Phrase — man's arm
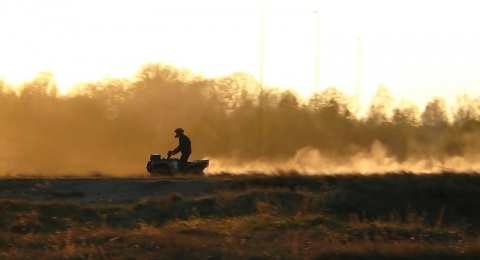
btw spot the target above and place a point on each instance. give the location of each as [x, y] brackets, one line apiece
[179, 147]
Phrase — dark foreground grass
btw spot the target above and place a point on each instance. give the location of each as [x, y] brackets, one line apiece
[284, 216]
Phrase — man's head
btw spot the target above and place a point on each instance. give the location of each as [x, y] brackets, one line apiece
[178, 132]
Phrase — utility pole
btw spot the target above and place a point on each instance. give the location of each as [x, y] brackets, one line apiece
[262, 44]
[260, 79]
[359, 73]
[317, 52]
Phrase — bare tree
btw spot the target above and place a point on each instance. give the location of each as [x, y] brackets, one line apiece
[435, 114]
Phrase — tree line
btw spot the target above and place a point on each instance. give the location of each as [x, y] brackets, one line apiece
[113, 125]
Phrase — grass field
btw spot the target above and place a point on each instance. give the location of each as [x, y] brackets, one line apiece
[247, 216]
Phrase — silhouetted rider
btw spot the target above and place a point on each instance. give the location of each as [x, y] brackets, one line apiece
[184, 146]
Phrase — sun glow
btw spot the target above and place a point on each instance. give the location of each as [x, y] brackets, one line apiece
[417, 49]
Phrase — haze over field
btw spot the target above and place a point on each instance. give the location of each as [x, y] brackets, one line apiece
[96, 86]
[112, 126]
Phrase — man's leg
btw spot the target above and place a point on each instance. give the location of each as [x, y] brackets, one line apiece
[183, 161]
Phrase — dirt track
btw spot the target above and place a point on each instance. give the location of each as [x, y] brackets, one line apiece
[102, 190]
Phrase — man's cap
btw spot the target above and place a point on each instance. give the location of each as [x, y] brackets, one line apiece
[178, 130]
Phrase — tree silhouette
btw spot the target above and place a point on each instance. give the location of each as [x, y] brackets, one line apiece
[381, 104]
[435, 114]
[111, 125]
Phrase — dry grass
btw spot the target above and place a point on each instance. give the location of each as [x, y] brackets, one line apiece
[288, 216]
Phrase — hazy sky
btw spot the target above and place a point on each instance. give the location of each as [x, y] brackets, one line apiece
[417, 49]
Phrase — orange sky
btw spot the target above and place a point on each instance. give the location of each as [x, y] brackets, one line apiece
[417, 49]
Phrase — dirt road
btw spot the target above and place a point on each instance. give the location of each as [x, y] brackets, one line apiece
[103, 189]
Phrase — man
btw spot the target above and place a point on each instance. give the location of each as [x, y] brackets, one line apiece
[184, 146]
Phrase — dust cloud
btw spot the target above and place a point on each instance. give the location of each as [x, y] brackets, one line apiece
[310, 161]
[110, 127]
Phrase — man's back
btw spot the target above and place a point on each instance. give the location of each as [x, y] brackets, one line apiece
[184, 145]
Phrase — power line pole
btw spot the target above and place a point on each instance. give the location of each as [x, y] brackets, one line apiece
[317, 52]
[260, 78]
[359, 73]
[262, 43]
